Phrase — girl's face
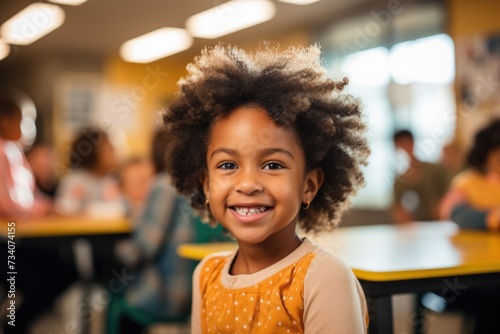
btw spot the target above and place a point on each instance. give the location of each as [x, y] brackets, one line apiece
[256, 180]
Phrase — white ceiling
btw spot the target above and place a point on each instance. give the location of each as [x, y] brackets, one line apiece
[99, 27]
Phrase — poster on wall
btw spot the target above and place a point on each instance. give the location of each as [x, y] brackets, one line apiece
[478, 81]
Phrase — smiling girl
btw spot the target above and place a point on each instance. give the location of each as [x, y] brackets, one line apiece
[264, 143]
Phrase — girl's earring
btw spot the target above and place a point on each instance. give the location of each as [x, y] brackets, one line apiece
[207, 204]
[307, 205]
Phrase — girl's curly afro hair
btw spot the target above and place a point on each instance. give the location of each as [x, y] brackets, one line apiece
[293, 88]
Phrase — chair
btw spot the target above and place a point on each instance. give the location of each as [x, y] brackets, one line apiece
[118, 308]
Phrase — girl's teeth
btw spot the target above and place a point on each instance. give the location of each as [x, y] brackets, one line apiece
[250, 211]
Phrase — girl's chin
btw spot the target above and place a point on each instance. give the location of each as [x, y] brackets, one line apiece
[248, 237]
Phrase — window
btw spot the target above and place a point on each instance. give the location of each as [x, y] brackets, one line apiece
[403, 85]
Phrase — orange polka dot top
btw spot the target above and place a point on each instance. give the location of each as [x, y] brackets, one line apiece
[309, 291]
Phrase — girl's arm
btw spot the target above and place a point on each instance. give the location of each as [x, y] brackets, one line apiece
[333, 299]
[196, 304]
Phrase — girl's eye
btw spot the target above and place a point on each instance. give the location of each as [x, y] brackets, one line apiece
[226, 165]
[273, 165]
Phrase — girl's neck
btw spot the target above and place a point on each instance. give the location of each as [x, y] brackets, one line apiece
[253, 258]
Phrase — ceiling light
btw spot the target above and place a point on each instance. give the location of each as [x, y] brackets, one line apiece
[32, 23]
[155, 45]
[229, 17]
[68, 2]
[300, 2]
[4, 49]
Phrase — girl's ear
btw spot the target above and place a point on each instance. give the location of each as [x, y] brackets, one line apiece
[203, 178]
[313, 181]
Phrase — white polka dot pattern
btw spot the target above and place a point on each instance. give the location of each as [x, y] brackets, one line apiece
[275, 305]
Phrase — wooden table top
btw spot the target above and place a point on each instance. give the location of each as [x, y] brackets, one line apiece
[57, 226]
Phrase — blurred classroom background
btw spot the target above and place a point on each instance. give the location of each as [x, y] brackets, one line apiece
[430, 66]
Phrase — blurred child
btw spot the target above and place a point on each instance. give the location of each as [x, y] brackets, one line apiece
[41, 158]
[88, 188]
[161, 289]
[20, 199]
[474, 198]
[135, 177]
[18, 194]
[473, 202]
[263, 143]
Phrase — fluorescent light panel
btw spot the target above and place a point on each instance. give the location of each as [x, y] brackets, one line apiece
[155, 45]
[229, 17]
[300, 2]
[68, 2]
[4, 49]
[32, 23]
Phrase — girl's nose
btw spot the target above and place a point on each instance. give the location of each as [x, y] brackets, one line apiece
[248, 183]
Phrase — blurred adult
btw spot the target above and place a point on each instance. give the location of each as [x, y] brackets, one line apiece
[473, 200]
[89, 187]
[418, 191]
[19, 196]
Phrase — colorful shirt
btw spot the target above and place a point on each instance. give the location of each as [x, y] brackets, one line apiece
[309, 291]
[18, 195]
[480, 193]
[162, 286]
[421, 193]
[81, 192]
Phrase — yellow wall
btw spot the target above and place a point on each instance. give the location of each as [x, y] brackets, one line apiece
[468, 17]
[148, 87]
[128, 77]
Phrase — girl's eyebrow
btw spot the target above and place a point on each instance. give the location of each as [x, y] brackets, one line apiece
[269, 151]
[265, 152]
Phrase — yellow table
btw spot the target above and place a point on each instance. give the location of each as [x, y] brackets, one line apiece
[60, 226]
[412, 258]
[61, 234]
[199, 251]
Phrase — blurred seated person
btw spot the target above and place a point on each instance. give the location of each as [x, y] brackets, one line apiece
[89, 188]
[452, 159]
[42, 274]
[418, 191]
[41, 158]
[135, 176]
[18, 194]
[473, 200]
[161, 289]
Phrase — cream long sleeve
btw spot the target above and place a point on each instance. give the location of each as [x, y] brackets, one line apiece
[328, 297]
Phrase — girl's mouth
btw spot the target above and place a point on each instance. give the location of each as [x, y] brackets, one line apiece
[249, 211]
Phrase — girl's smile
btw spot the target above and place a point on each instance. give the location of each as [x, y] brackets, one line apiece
[251, 212]
[256, 180]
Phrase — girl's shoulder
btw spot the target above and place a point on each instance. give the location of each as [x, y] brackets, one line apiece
[327, 266]
[212, 264]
